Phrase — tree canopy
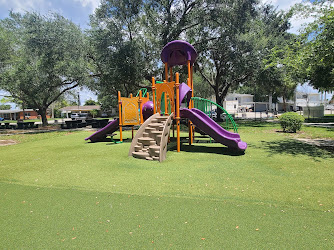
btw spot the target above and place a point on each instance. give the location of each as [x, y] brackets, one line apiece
[314, 58]
[46, 59]
[240, 44]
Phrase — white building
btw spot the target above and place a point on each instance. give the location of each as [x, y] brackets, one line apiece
[235, 103]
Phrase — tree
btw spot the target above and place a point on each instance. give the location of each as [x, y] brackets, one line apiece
[170, 20]
[47, 59]
[90, 102]
[115, 38]
[5, 107]
[225, 45]
[126, 38]
[94, 112]
[320, 57]
[234, 43]
[316, 44]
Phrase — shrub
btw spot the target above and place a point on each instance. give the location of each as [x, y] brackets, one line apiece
[291, 122]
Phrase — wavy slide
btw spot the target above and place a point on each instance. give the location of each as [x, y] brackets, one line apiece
[211, 128]
[101, 134]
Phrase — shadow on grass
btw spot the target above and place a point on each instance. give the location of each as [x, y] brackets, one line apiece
[253, 123]
[296, 148]
[195, 148]
[112, 141]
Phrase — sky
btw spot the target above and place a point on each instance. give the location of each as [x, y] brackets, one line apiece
[78, 11]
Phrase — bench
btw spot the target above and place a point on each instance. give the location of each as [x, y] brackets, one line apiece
[26, 125]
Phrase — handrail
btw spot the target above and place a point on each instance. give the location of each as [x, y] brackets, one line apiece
[200, 103]
[143, 92]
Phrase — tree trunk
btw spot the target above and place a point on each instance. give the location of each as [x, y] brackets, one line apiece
[219, 101]
[42, 112]
[284, 103]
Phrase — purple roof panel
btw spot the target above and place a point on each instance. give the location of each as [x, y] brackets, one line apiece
[178, 53]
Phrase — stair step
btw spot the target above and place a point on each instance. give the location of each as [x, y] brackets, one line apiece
[145, 140]
[140, 155]
[161, 117]
[138, 148]
[149, 158]
[153, 125]
[154, 150]
[156, 158]
[149, 129]
[155, 147]
[145, 134]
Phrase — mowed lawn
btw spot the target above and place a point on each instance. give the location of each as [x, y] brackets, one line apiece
[58, 191]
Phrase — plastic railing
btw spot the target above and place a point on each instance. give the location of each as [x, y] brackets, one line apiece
[206, 106]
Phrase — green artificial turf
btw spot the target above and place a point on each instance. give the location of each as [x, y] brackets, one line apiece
[58, 191]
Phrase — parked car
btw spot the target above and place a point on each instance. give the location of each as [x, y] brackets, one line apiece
[80, 116]
[2, 119]
[213, 114]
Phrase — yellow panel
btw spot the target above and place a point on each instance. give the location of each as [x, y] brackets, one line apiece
[130, 111]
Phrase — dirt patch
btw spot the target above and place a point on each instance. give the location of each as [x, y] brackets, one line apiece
[7, 142]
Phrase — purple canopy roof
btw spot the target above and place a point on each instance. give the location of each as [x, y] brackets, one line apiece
[178, 53]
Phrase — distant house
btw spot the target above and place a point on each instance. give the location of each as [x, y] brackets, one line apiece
[17, 114]
[235, 102]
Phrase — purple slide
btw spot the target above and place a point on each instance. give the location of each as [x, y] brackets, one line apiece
[211, 128]
[101, 134]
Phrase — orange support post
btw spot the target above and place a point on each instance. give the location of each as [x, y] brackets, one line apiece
[153, 95]
[177, 116]
[140, 107]
[166, 103]
[120, 116]
[190, 125]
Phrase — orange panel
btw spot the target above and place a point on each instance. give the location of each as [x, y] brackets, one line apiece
[168, 88]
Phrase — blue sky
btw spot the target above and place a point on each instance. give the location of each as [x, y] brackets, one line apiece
[79, 10]
[76, 10]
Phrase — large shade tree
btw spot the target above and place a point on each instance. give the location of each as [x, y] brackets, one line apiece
[226, 45]
[126, 39]
[46, 59]
[317, 57]
[116, 50]
[234, 43]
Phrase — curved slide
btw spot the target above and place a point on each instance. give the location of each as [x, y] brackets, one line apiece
[101, 134]
[211, 128]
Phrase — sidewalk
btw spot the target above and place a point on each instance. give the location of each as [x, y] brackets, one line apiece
[323, 125]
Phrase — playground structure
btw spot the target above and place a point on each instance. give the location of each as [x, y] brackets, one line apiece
[131, 110]
[172, 100]
[151, 139]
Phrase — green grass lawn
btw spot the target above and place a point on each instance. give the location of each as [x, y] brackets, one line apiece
[58, 191]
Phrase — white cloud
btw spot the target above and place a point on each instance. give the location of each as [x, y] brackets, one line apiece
[296, 22]
[282, 4]
[93, 4]
[23, 6]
